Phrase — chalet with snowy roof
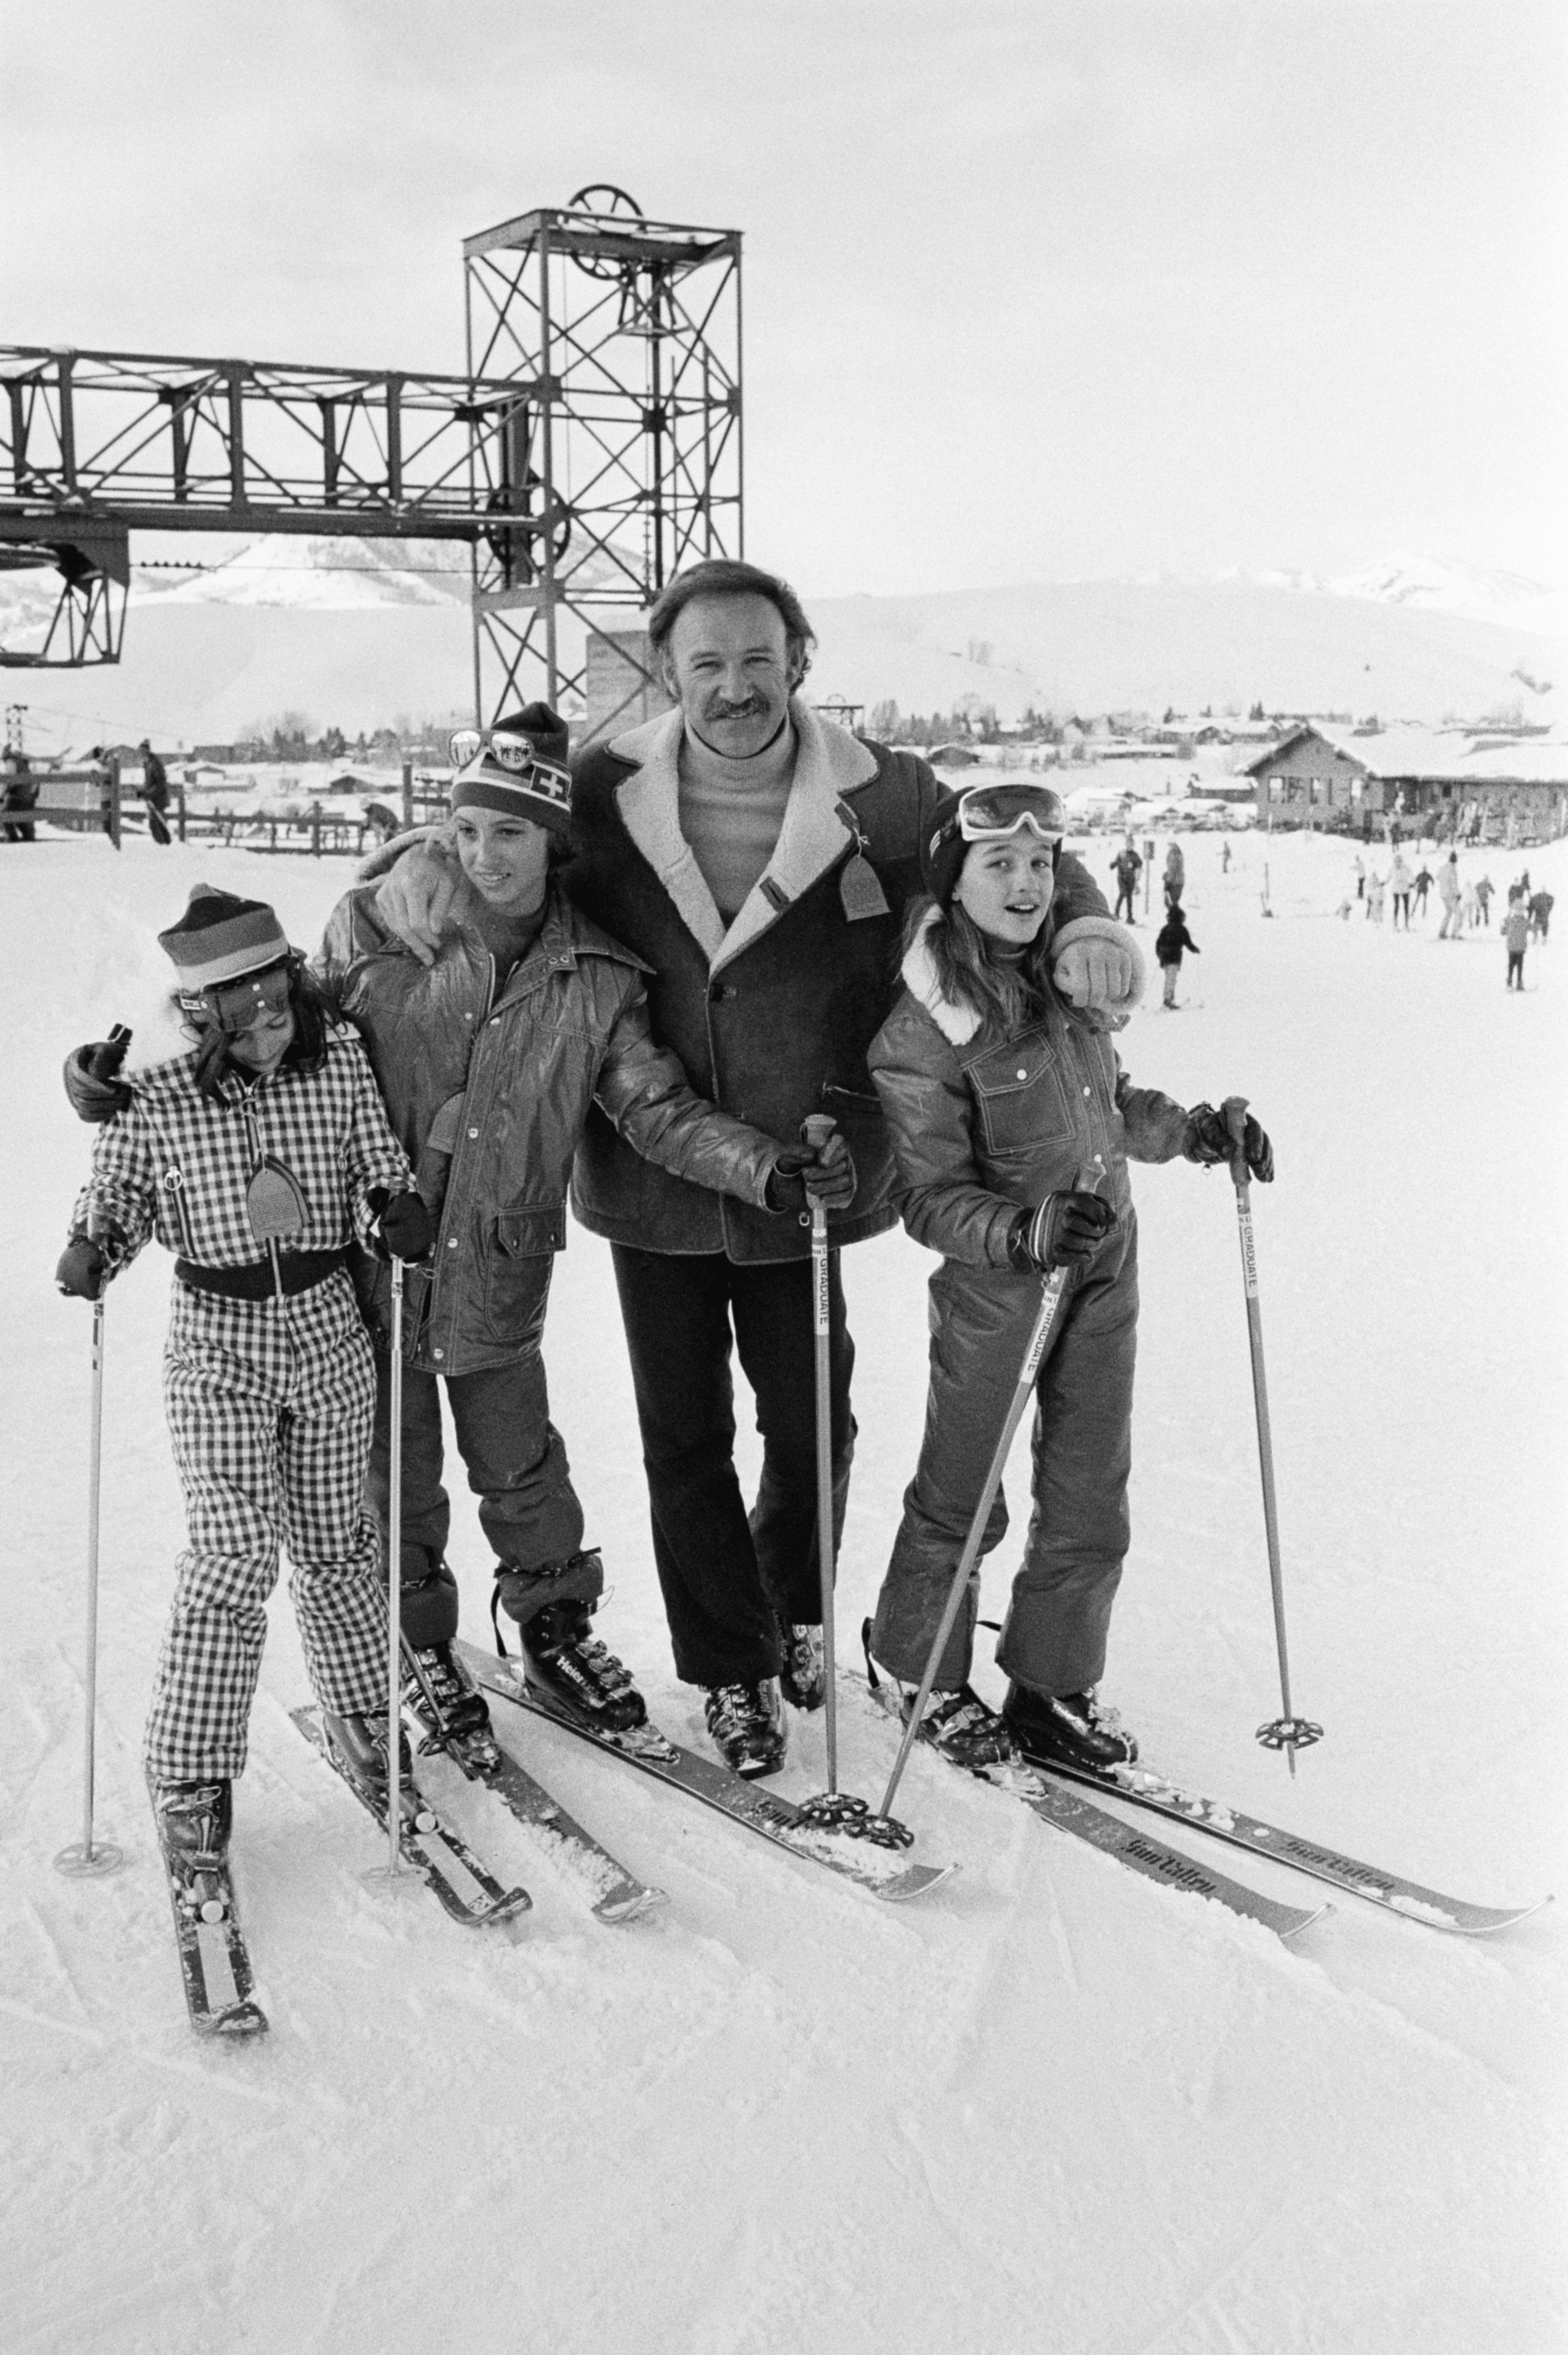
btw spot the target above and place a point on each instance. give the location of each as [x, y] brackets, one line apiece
[1490, 786]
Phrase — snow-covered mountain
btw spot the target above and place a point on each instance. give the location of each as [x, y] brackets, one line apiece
[355, 632]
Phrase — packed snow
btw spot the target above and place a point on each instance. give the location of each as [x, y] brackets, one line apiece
[1050, 2106]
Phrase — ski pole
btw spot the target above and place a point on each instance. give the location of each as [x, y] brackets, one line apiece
[832, 1808]
[1051, 1296]
[395, 1577]
[1287, 1732]
[85, 1857]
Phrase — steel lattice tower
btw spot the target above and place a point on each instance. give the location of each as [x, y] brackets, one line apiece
[621, 461]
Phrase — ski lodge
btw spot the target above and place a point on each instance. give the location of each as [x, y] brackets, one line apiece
[1483, 785]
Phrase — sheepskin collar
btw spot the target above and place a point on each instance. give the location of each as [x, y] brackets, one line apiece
[957, 1024]
[829, 762]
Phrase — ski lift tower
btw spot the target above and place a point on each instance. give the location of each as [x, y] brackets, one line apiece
[621, 462]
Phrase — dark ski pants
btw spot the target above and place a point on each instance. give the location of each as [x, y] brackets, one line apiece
[516, 1466]
[1124, 900]
[1055, 1633]
[729, 1578]
[1515, 970]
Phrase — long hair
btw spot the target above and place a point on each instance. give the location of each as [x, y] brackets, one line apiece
[1006, 993]
[306, 1051]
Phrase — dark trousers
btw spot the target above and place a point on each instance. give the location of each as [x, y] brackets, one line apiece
[729, 1578]
[1124, 900]
[515, 1463]
[1515, 969]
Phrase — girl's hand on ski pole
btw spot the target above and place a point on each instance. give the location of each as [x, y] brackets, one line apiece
[83, 1270]
[404, 1229]
[1064, 1230]
[828, 1173]
[1210, 1142]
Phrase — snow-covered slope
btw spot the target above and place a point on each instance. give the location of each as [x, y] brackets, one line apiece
[1054, 2109]
[352, 633]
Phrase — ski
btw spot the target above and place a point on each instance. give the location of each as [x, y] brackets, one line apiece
[1098, 1827]
[454, 1876]
[215, 1961]
[1391, 1890]
[771, 1818]
[1066, 1812]
[618, 1895]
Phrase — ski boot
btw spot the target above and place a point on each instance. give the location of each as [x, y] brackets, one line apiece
[1067, 1729]
[961, 1727]
[803, 1680]
[195, 1820]
[447, 1702]
[564, 1660]
[358, 1744]
[746, 1726]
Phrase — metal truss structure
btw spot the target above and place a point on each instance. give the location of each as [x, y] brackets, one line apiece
[625, 456]
[593, 448]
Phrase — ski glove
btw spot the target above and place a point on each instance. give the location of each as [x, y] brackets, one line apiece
[798, 1173]
[404, 1229]
[95, 1092]
[87, 1263]
[1064, 1230]
[1208, 1141]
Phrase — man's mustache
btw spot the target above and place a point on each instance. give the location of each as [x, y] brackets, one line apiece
[719, 706]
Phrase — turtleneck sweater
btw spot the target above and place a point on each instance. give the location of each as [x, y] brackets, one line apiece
[730, 813]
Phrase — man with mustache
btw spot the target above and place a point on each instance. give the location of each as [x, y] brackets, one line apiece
[759, 860]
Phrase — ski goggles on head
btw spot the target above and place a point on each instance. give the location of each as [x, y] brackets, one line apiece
[992, 812]
[519, 756]
[236, 1007]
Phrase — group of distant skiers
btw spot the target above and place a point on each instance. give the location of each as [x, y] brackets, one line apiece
[1465, 904]
[1173, 941]
[634, 975]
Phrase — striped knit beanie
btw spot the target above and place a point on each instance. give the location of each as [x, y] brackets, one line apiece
[543, 795]
[220, 937]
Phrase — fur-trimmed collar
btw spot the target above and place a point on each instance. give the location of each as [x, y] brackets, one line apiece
[957, 1024]
[829, 761]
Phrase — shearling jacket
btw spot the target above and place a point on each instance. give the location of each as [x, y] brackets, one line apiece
[772, 1016]
[489, 1081]
[982, 1127]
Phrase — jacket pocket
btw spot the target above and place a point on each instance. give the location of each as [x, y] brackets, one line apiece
[1022, 1096]
[517, 1268]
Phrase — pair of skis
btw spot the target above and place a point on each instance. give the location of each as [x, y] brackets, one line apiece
[1056, 1796]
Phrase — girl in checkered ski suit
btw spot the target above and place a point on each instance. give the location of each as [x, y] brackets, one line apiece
[256, 1157]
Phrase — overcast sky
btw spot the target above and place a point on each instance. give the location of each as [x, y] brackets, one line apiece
[1033, 291]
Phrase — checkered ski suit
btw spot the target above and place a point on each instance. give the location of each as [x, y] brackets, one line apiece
[269, 1401]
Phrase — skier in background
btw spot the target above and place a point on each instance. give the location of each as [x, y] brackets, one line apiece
[1400, 882]
[1172, 939]
[1375, 896]
[155, 793]
[1174, 874]
[1423, 885]
[1516, 938]
[999, 1096]
[256, 1157]
[1541, 904]
[1126, 867]
[1484, 890]
[1448, 892]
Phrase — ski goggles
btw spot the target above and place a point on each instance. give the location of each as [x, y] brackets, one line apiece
[236, 1007]
[517, 756]
[992, 812]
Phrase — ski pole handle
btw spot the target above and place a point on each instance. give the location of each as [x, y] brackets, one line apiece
[1234, 1109]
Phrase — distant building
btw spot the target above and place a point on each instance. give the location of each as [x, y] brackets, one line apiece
[1460, 781]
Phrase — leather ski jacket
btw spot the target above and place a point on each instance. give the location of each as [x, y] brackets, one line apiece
[489, 1081]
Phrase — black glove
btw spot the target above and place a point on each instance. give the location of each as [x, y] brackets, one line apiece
[90, 1082]
[1209, 1141]
[1064, 1230]
[799, 1173]
[85, 1269]
[404, 1228]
